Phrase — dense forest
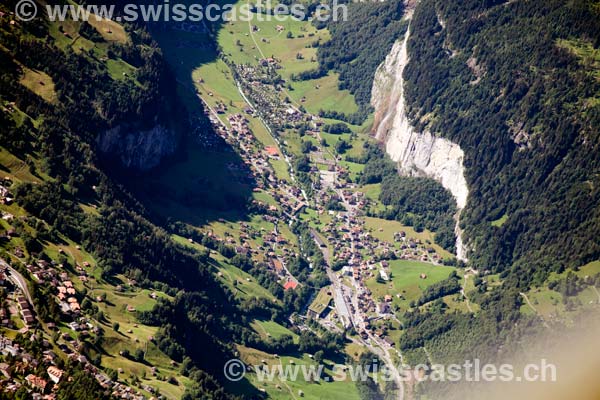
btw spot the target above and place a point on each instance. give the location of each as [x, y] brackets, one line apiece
[524, 107]
[531, 101]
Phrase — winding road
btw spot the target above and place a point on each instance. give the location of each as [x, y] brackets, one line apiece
[17, 279]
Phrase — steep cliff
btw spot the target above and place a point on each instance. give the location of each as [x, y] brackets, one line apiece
[417, 153]
[138, 148]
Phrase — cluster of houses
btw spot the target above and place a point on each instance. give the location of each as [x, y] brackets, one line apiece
[363, 255]
[290, 199]
[16, 305]
[24, 365]
[264, 87]
[275, 249]
[23, 368]
[51, 273]
[26, 311]
[5, 195]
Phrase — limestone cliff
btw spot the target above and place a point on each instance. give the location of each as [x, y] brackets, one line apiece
[417, 153]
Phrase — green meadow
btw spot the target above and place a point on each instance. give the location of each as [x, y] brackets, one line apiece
[406, 281]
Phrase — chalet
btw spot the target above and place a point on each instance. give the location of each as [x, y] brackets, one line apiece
[49, 356]
[272, 151]
[54, 373]
[36, 382]
[298, 207]
[290, 284]
[278, 266]
[28, 317]
[241, 251]
[103, 380]
[5, 370]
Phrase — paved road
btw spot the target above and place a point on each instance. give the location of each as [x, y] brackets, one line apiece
[17, 279]
[375, 344]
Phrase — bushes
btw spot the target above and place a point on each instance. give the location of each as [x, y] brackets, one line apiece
[336, 128]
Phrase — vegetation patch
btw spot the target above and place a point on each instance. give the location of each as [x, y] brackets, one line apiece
[40, 83]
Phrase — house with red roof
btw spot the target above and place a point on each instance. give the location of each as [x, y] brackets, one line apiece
[290, 284]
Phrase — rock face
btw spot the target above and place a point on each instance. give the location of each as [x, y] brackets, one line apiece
[138, 149]
[417, 153]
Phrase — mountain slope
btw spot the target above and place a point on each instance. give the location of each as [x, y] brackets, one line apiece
[505, 82]
[68, 219]
[515, 86]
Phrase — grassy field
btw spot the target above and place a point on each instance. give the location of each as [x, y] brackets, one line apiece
[241, 284]
[119, 69]
[132, 335]
[66, 35]
[264, 197]
[406, 281]
[259, 224]
[590, 269]
[247, 42]
[110, 30]
[584, 50]
[500, 221]
[314, 219]
[372, 191]
[271, 329]
[16, 168]
[385, 229]
[40, 83]
[549, 303]
[354, 350]
[323, 94]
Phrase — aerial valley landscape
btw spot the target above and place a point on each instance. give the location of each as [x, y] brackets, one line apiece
[207, 209]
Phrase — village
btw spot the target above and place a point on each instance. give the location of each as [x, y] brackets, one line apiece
[353, 252]
[349, 246]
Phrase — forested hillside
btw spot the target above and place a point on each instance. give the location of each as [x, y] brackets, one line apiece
[56, 99]
[186, 241]
[416, 201]
[516, 85]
